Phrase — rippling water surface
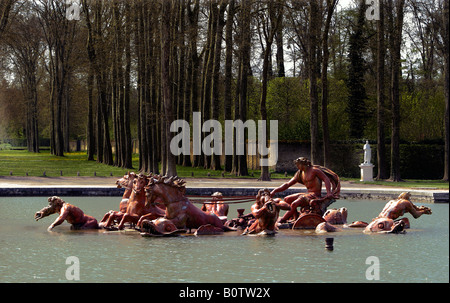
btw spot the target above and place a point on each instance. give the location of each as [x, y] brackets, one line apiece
[28, 253]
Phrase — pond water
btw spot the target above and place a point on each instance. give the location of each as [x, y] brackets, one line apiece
[28, 253]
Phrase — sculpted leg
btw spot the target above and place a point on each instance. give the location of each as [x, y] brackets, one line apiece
[301, 201]
[106, 216]
[91, 223]
[128, 218]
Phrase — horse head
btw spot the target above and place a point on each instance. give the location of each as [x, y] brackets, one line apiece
[170, 189]
[126, 180]
[139, 183]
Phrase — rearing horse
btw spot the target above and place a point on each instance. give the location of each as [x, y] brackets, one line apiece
[136, 204]
[179, 210]
[127, 182]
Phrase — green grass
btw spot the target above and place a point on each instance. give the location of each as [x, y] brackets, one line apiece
[21, 163]
[410, 183]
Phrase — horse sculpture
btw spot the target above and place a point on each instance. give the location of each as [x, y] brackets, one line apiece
[135, 207]
[127, 182]
[179, 210]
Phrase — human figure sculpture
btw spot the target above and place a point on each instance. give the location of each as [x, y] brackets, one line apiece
[217, 206]
[179, 210]
[67, 212]
[266, 211]
[312, 176]
[389, 221]
[127, 182]
[367, 153]
[396, 208]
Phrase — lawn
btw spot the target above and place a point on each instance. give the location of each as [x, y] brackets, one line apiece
[23, 163]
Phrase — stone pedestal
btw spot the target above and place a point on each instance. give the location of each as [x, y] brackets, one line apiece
[366, 172]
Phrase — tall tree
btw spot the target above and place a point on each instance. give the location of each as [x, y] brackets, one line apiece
[356, 107]
[244, 57]
[395, 48]
[208, 65]
[280, 44]
[166, 40]
[381, 55]
[97, 49]
[215, 108]
[269, 25]
[313, 65]
[445, 50]
[228, 99]
[25, 48]
[90, 134]
[59, 33]
[121, 83]
[331, 5]
[194, 63]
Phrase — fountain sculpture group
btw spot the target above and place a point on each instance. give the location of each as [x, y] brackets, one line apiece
[158, 206]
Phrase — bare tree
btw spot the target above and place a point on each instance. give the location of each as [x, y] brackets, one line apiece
[97, 49]
[268, 24]
[381, 56]
[25, 45]
[166, 40]
[228, 99]
[331, 6]
[395, 45]
[445, 33]
[313, 61]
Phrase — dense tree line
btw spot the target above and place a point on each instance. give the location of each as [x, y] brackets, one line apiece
[124, 70]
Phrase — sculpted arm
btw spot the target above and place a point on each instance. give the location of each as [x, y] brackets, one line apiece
[284, 186]
[415, 211]
[283, 205]
[61, 218]
[256, 210]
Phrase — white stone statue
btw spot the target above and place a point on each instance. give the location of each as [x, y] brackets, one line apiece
[367, 153]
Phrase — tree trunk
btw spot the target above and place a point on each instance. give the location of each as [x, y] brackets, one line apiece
[215, 159]
[381, 54]
[194, 63]
[167, 8]
[279, 41]
[446, 85]
[313, 42]
[90, 119]
[245, 64]
[331, 5]
[208, 72]
[128, 153]
[228, 99]
[395, 91]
